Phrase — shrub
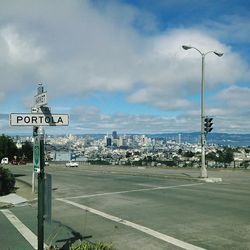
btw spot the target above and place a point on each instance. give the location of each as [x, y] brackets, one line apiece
[79, 245]
[7, 181]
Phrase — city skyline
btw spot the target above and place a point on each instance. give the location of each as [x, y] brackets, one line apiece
[119, 65]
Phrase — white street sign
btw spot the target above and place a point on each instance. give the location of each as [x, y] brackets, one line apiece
[38, 119]
[41, 99]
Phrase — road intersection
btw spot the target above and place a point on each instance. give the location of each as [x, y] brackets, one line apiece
[144, 209]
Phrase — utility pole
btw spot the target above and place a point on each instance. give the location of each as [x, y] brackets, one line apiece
[203, 171]
[203, 139]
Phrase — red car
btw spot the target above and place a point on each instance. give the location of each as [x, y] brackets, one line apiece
[22, 162]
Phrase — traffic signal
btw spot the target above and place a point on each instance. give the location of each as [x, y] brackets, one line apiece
[208, 124]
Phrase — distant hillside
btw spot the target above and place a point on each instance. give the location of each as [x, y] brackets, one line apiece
[212, 138]
[217, 138]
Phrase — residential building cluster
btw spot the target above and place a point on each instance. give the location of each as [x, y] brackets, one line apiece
[138, 150]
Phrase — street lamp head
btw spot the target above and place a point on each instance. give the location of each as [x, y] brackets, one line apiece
[218, 54]
[186, 47]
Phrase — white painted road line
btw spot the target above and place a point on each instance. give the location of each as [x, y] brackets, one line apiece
[158, 235]
[146, 185]
[22, 229]
[133, 190]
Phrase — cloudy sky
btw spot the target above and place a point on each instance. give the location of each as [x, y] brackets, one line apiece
[119, 64]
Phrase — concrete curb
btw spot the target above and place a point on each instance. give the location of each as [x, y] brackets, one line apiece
[13, 199]
[211, 180]
[4, 205]
[24, 181]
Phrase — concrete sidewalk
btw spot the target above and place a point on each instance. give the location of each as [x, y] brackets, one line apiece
[18, 217]
[22, 195]
[13, 199]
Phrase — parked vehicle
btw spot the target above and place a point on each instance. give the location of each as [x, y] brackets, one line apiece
[14, 162]
[72, 164]
[5, 160]
[22, 162]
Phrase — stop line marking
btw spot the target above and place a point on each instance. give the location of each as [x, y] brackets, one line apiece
[22, 229]
[151, 232]
[146, 185]
[133, 190]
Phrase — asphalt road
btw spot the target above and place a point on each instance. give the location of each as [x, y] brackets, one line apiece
[147, 208]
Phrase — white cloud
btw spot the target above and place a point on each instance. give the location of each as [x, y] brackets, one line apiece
[235, 97]
[166, 100]
[230, 110]
[81, 49]
[171, 75]
[2, 96]
[127, 123]
[230, 24]
[20, 49]
[89, 119]
[76, 48]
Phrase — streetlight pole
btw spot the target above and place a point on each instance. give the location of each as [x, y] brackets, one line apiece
[203, 171]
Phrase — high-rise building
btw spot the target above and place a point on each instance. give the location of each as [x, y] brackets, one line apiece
[179, 140]
[109, 142]
[114, 135]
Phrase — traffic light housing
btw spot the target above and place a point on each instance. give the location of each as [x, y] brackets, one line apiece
[208, 124]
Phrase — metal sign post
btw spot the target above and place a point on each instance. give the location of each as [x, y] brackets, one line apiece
[40, 101]
[48, 198]
[39, 167]
[40, 116]
[41, 184]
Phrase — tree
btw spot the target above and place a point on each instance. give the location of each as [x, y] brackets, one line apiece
[148, 158]
[7, 147]
[225, 156]
[7, 180]
[247, 150]
[188, 154]
[212, 156]
[128, 154]
[27, 151]
[228, 155]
